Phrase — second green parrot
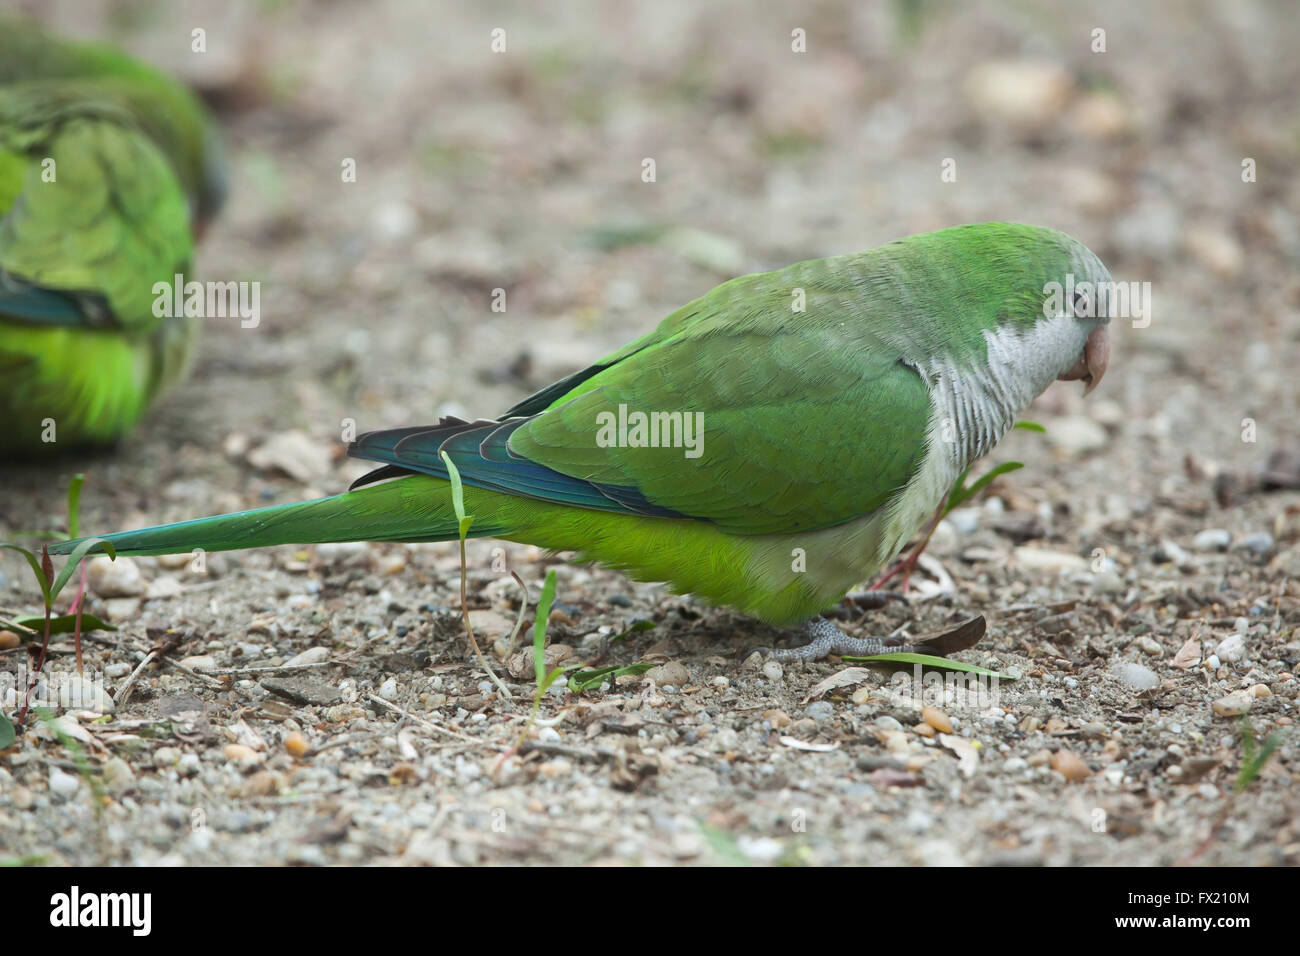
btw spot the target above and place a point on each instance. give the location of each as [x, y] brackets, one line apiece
[769, 446]
[108, 170]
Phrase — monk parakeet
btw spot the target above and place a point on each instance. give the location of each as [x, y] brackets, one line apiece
[108, 170]
[768, 446]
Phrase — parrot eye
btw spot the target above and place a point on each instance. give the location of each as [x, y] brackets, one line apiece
[1082, 306]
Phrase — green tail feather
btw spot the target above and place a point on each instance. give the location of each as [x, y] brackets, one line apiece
[417, 508]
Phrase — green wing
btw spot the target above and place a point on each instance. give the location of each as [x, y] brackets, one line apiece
[87, 245]
[808, 421]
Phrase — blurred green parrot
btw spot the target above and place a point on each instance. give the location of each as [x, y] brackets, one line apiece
[109, 171]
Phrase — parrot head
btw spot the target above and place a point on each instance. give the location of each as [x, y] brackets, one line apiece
[1055, 300]
[1085, 303]
[1033, 307]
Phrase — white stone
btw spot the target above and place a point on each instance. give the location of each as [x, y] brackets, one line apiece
[114, 579]
[163, 588]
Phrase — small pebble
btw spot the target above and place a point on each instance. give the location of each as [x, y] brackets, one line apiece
[313, 655]
[918, 821]
[820, 710]
[1260, 542]
[925, 730]
[1135, 675]
[1231, 648]
[175, 562]
[1149, 646]
[163, 588]
[8, 640]
[264, 783]
[1169, 553]
[118, 774]
[63, 784]
[1234, 704]
[1070, 766]
[937, 719]
[1212, 539]
[964, 520]
[296, 744]
[1261, 690]
[777, 719]
[239, 753]
[188, 765]
[114, 579]
[772, 670]
[671, 674]
[1108, 582]
[388, 689]
[390, 563]
[886, 722]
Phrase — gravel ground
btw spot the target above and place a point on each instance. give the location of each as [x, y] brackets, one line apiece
[316, 705]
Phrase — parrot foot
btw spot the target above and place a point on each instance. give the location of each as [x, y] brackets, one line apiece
[825, 638]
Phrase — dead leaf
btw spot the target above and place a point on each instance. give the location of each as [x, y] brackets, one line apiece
[1189, 655]
[843, 678]
[959, 638]
[294, 453]
[927, 590]
[967, 756]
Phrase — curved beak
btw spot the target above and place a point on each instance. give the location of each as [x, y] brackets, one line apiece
[1092, 363]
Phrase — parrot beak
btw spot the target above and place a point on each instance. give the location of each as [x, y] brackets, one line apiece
[1092, 363]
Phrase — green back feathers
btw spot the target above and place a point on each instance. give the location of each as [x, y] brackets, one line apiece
[165, 110]
[820, 357]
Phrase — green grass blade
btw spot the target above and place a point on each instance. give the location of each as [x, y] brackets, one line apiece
[1030, 427]
[929, 660]
[588, 680]
[457, 495]
[544, 603]
[75, 558]
[65, 623]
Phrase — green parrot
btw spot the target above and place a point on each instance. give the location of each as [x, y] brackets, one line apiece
[108, 172]
[769, 446]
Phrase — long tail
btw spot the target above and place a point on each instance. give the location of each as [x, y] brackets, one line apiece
[416, 508]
